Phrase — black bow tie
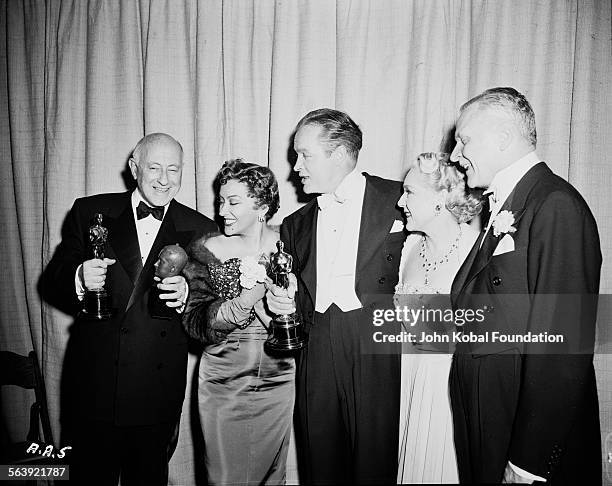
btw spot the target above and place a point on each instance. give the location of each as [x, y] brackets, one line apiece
[143, 210]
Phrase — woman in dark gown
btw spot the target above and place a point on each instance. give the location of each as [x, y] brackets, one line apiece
[245, 395]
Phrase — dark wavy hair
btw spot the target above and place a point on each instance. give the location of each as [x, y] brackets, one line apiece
[260, 181]
[337, 128]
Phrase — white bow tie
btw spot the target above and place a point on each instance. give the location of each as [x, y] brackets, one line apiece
[326, 200]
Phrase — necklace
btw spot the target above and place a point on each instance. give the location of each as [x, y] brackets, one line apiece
[432, 266]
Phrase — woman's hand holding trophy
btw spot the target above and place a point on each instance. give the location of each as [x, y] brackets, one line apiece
[286, 329]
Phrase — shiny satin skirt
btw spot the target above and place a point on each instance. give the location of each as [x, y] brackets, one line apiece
[246, 400]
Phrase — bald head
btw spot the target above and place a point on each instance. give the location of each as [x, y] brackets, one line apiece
[157, 166]
[153, 139]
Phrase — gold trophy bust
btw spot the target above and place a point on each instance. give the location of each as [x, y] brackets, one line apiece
[96, 303]
[286, 330]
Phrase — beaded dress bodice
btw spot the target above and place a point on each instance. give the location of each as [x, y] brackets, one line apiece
[225, 280]
[424, 296]
[225, 277]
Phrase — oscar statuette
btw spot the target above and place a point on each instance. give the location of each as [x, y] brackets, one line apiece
[286, 330]
[96, 302]
[170, 262]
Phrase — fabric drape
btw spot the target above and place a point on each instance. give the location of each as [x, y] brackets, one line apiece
[82, 80]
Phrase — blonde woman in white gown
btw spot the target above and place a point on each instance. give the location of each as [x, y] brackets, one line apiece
[437, 207]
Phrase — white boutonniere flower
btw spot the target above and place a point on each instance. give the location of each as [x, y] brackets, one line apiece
[502, 224]
[251, 272]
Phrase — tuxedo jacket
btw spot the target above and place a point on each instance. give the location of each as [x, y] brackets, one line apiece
[532, 404]
[378, 252]
[131, 369]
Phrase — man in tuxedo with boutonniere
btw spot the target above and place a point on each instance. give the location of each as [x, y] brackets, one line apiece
[524, 407]
[124, 378]
[346, 248]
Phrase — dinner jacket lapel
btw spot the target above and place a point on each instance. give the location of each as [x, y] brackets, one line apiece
[377, 216]
[167, 235]
[515, 203]
[306, 248]
[124, 240]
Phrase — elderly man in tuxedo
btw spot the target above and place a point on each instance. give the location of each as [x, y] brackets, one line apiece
[524, 411]
[125, 377]
[346, 247]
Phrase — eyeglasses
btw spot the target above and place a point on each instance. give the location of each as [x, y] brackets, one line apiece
[430, 162]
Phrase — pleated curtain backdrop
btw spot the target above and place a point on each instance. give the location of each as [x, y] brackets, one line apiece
[82, 80]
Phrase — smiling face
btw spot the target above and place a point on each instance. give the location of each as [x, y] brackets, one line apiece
[478, 148]
[158, 172]
[314, 164]
[238, 209]
[419, 201]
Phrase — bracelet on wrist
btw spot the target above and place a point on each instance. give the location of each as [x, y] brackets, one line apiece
[249, 320]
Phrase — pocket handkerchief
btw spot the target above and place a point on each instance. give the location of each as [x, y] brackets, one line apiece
[397, 226]
[505, 245]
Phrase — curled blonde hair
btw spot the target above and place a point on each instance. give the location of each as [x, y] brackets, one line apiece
[442, 176]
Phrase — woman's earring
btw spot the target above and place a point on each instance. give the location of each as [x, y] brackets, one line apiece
[260, 218]
[438, 209]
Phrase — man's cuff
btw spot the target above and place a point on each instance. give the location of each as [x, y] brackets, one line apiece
[525, 474]
[78, 285]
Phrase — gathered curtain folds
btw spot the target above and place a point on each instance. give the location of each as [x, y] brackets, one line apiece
[82, 81]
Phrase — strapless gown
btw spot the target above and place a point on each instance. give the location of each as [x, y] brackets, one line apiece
[245, 396]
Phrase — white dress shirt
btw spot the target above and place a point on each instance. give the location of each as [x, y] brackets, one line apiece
[337, 241]
[146, 228]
